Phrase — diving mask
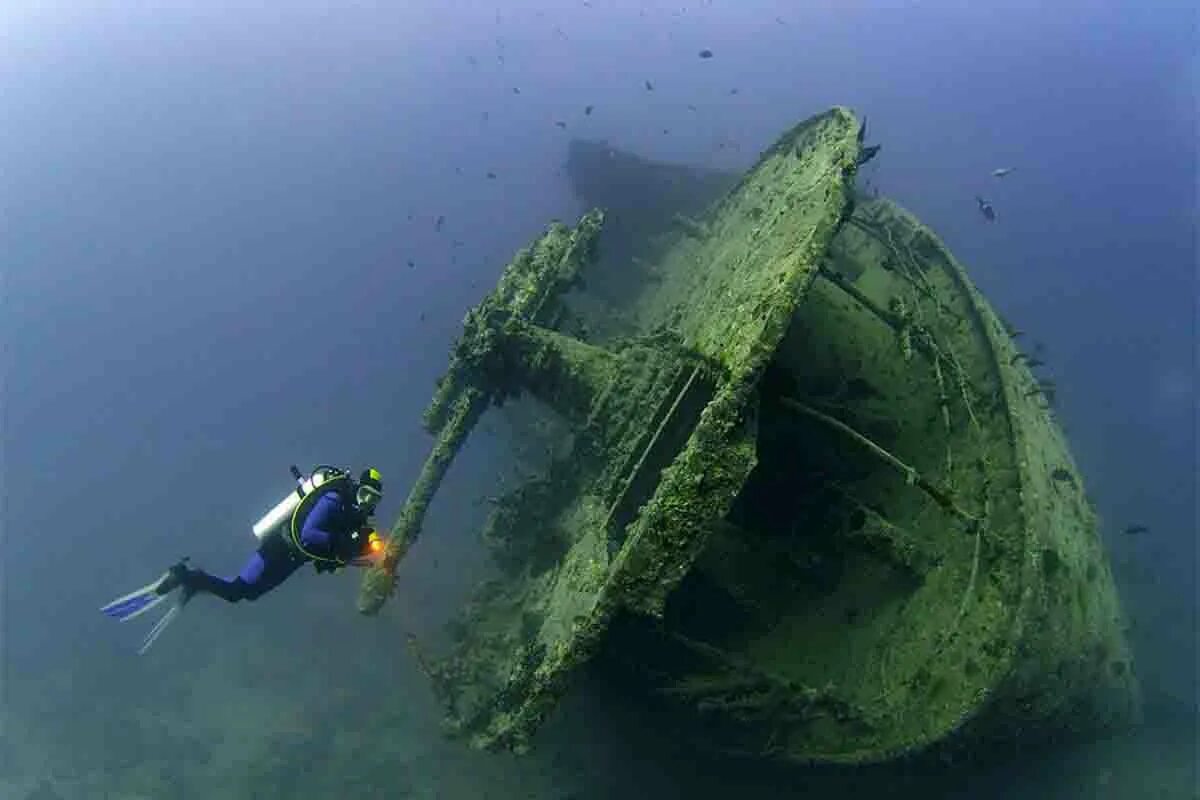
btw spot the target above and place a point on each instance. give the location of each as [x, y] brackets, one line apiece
[367, 496]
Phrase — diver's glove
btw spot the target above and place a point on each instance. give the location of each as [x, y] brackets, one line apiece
[327, 566]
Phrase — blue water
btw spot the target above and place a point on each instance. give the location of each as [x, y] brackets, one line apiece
[206, 219]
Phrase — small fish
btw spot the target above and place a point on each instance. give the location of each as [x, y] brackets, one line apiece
[649, 86]
[1035, 362]
[491, 176]
[1000, 173]
[516, 90]
[1131, 530]
[868, 153]
[706, 53]
[587, 111]
[561, 124]
[1064, 475]
[733, 91]
[985, 208]
[439, 222]
[411, 264]
[666, 131]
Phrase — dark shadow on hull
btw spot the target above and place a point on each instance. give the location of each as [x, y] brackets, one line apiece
[640, 199]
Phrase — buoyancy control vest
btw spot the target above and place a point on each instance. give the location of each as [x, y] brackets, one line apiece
[288, 516]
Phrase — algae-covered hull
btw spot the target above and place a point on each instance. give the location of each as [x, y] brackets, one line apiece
[811, 495]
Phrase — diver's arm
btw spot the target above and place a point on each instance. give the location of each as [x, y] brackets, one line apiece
[316, 534]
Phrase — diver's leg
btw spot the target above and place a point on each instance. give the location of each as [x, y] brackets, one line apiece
[265, 570]
[231, 590]
[277, 566]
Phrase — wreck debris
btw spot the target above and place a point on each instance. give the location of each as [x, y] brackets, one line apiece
[755, 513]
[911, 475]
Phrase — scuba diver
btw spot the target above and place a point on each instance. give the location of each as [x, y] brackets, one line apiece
[325, 520]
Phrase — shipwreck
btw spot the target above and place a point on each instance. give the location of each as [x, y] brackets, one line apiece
[804, 490]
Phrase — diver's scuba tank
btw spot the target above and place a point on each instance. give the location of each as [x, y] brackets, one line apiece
[281, 514]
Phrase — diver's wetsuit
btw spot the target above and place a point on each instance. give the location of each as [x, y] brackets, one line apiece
[326, 533]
